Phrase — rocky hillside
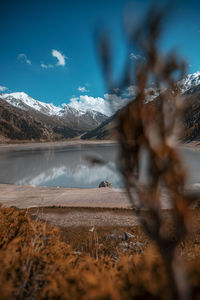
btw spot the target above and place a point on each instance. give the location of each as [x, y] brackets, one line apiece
[23, 118]
[107, 130]
[17, 124]
[190, 117]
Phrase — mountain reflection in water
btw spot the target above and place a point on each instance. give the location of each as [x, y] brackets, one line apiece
[66, 167]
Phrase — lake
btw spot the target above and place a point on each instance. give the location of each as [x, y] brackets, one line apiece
[66, 167]
[69, 166]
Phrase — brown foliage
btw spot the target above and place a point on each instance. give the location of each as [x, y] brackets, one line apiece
[36, 264]
[149, 162]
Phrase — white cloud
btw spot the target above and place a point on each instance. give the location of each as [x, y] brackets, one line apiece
[60, 57]
[3, 88]
[135, 56]
[107, 105]
[115, 102]
[44, 66]
[85, 102]
[82, 89]
[23, 57]
[110, 103]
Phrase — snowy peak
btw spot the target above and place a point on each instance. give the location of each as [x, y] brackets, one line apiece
[67, 109]
[25, 102]
[191, 80]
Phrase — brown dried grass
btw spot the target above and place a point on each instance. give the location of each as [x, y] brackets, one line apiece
[37, 264]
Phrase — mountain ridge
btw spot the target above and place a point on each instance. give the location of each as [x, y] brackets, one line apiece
[189, 87]
[58, 123]
[68, 122]
[24, 101]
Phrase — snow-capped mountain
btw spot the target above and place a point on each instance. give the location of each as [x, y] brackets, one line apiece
[190, 81]
[189, 86]
[22, 117]
[23, 101]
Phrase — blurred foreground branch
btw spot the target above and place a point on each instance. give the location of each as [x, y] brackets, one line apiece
[148, 161]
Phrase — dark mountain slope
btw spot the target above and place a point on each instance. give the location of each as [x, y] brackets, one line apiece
[190, 118]
[66, 115]
[17, 124]
[107, 130]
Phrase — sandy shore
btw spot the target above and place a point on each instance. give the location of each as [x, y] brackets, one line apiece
[47, 145]
[67, 207]
[74, 207]
[32, 196]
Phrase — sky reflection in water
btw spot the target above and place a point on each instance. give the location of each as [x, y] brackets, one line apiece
[66, 167]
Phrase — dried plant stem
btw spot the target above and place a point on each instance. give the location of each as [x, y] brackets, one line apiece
[145, 130]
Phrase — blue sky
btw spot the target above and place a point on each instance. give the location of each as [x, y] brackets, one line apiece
[48, 48]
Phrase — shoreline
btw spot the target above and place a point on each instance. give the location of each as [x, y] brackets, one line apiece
[59, 144]
[194, 145]
[27, 196]
[74, 207]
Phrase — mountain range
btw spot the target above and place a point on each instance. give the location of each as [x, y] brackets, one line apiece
[24, 118]
[189, 87]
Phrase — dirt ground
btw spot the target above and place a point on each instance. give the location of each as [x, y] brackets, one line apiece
[103, 217]
[27, 196]
[87, 217]
[101, 231]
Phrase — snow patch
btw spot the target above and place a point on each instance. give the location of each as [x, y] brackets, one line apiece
[189, 81]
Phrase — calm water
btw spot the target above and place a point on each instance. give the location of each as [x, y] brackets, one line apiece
[68, 167]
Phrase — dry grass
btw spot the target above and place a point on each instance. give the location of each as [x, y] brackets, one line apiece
[41, 262]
